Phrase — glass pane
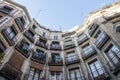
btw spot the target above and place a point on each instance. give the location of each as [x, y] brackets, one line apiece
[92, 67]
[110, 54]
[72, 75]
[8, 30]
[78, 73]
[31, 74]
[95, 74]
[58, 77]
[115, 60]
[100, 71]
[25, 46]
[57, 58]
[97, 65]
[118, 54]
[11, 35]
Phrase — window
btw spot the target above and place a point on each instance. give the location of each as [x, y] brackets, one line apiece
[34, 74]
[113, 53]
[34, 27]
[56, 75]
[95, 68]
[75, 74]
[29, 34]
[25, 46]
[55, 45]
[6, 9]
[21, 22]
[11, 32]
[67, 41]
[101, 35]
[39, 54]
[88, 49]
[56, 57]
[71, 56]
[44, 33]
[118, 29]
[2, 47]
[82, 36]
[55, 37]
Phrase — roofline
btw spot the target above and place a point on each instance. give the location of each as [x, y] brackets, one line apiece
[45, 27]
[21, 6]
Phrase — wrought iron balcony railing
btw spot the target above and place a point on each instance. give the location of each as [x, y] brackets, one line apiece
[91, 51]
[100, 43]
[11, 41]
[55, 47]
[72, 60]
[92, 29]
[41, 44]
[22, 51]
[41, 59]
[103, 76]
[82, 39]
[115, 68]
[29, 36]
[55, 63]
[20, 24]
[4, 11]
[69, 45]
[78, 78]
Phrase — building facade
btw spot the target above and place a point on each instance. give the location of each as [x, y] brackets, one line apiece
[29, 51]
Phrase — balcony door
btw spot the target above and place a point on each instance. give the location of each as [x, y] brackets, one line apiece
[113, 54]
[56, 57]
[56, 75]
[75, 74]
[96, 69]
[71, 56]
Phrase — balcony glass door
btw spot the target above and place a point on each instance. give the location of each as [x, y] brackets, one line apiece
[56, 76]
[75, 74]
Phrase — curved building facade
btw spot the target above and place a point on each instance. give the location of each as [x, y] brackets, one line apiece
[29, 51]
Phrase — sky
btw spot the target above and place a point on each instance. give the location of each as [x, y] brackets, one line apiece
[61, 14]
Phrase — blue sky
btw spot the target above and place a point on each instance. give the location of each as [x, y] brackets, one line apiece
[61, 14]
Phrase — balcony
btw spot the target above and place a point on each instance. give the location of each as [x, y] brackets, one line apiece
[72, 60]
[29, 36]
[26, 76]
[91, 51]
[20, 23]
[82, 39]
[6, 9]
[92, 29]
[11, 41]
[4, 19]
[69, 45]
[39, 59]
[11, 72]
[55, 46]
[22, 51]
[78, 78]
[55, 63]
[114, 68]
[102, 41]
[41, 43]
[103, 76]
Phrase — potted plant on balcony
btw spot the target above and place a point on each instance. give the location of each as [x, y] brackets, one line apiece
[1, 56]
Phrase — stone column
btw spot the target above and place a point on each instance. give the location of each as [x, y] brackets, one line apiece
[8, 54]
[26, 64]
